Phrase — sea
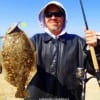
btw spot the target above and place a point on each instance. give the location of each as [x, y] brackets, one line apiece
[0, 43]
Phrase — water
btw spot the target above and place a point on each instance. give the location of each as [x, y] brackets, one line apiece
[1, 41]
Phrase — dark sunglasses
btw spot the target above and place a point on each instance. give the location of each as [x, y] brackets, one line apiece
[56, 14]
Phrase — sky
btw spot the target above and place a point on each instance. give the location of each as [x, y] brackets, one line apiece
[13, 11]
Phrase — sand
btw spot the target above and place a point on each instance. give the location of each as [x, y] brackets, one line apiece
[7, 91]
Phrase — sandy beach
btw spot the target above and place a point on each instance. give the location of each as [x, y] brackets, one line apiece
[7, 91]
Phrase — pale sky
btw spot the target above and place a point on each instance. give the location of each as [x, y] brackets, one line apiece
[12, 11]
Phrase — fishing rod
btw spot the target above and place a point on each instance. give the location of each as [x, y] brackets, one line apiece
[92, 50]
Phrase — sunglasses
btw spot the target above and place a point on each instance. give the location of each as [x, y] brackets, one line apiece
[56, 14]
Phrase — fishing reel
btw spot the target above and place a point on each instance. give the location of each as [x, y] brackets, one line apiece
[81, 75]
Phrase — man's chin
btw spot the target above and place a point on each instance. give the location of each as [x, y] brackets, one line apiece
[55, 29]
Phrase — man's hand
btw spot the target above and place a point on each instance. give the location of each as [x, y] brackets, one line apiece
[91, 37]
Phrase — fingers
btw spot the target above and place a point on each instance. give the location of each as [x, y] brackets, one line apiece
[91, 37]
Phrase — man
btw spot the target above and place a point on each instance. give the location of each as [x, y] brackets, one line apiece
[59, 55]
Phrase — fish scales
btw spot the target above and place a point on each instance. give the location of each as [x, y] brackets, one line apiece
[19, 60]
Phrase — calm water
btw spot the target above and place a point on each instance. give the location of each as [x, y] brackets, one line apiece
[0, 43]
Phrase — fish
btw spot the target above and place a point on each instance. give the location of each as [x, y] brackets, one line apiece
[18, 60]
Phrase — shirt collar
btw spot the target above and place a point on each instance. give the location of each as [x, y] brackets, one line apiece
[54, 36]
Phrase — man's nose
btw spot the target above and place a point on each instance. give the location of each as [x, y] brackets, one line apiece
[53, 17]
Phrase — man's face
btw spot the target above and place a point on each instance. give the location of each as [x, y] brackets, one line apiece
[54, 19]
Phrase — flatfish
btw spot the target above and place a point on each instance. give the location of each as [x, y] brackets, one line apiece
[18, 60]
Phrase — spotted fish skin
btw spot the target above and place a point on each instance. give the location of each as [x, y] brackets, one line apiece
[19, 60]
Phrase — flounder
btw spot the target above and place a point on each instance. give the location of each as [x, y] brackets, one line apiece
[18, 60]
